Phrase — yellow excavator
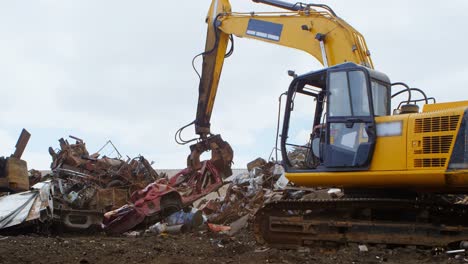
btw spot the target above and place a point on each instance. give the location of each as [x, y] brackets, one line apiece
[401, 171]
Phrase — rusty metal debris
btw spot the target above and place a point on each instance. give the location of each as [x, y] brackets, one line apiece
[33, 207]
[121, 195]
[14, 170]
[462, 200]
[246, 193]
[163, 197]
[22, 206]
[21, 144]
[87, 185]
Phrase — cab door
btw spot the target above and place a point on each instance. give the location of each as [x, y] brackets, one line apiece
[351, 133]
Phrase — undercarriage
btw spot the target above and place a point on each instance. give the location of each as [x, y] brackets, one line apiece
[293, 223]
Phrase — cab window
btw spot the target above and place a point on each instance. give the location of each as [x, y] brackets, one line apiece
[380, 98]
[348, 94]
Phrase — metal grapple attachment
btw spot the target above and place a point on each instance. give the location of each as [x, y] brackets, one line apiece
[221, 154]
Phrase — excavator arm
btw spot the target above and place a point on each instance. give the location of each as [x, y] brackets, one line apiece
[314, 29]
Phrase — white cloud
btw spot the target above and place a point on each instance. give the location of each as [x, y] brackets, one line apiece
[302, 137]
[37, 160]
[7, 143]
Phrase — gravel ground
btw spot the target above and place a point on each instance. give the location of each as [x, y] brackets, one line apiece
[196, 248]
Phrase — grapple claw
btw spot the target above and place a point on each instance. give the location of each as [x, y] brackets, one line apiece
[221, 154]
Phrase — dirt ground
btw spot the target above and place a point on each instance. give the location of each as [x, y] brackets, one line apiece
[195, 248]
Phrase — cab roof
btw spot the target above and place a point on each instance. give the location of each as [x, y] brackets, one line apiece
[319, 78]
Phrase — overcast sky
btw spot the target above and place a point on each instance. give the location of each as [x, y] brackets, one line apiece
[121, 70]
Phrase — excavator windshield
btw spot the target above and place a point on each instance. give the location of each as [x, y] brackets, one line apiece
[348, 94]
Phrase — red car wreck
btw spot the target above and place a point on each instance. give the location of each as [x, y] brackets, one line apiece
[163, 197]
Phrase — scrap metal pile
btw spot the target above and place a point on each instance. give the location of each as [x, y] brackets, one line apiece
[86, 186]
[93, 191]
[24, 203]
[117, 195]
[163, 197]
[228, 213]
[244, 195]
[248, 192]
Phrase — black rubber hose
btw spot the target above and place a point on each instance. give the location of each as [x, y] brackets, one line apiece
[400, 92]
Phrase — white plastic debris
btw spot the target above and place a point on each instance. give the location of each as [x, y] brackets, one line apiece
[334, 190]
[282, 182]
[363, 248]
[157, 228]
[456, 251]
[303, 250]
[278, 170]
[131, 234]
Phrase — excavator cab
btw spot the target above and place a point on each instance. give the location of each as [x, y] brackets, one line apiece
[342, 131]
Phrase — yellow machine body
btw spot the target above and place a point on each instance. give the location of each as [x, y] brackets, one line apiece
[414, 155]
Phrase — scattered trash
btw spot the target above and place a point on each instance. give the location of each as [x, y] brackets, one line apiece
[132, 234]
[282, 182]
[34, 206]
[363, 248]
[177, 229]
[238, 225]
[164, 197]
[456, 251]
[219, 228]
[437, 251]
[261, 249]
[157, 228]
[463, 200]
[303, 250]
[244, 196]
[256, 163]
[464, 244]
[194, 218]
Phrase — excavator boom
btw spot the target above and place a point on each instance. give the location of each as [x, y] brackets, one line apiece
[322, 34]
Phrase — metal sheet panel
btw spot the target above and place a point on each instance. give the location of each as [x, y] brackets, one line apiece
[18, 208]
[15, 208]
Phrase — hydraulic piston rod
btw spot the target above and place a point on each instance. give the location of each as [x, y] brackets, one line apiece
[298, 6]
[281, 4]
